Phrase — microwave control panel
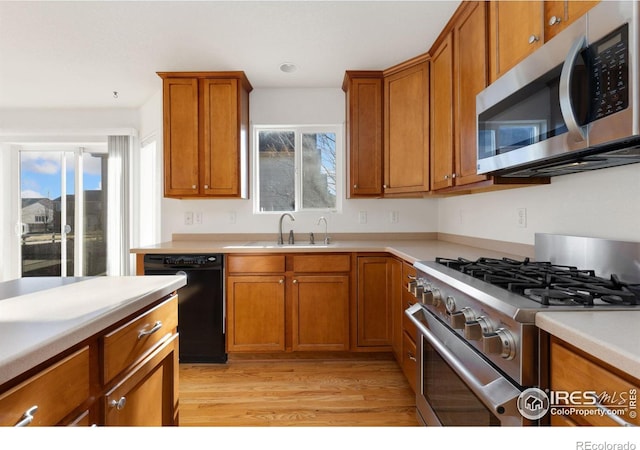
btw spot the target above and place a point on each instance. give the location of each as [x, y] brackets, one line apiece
[610, 73]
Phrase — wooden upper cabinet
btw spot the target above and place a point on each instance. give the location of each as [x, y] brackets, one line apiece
[458, 74]
[442, 109]
[181, 155]
[470, 61]
[558, 14]
[406, 127]
[206, 127]
[516, 30]
[363, 91]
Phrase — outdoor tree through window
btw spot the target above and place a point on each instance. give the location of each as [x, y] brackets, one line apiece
[296, 168]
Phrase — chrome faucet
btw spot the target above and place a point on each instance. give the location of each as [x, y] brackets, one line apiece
[280, 239]
[327, 239]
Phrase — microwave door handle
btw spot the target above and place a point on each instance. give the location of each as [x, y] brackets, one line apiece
[575, 130]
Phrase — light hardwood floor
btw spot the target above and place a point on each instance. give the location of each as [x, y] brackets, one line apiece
[370, 391]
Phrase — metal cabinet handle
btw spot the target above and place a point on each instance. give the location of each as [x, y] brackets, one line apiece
[206, 186]
[281, 281]
[411, 357]
[608, 413]
[119, 404]
[27, 417]
[295, 281]
[533, 38]
[554, 20]
[384, 186]
[193, 186]
[355, 186]
[156, 327]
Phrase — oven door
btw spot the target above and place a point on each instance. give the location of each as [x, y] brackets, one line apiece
[456, 385]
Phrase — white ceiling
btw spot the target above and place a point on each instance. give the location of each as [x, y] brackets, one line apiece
[74, 54]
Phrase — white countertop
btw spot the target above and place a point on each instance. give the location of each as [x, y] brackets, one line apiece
[408, 249]
[611, 336]
[38, 325]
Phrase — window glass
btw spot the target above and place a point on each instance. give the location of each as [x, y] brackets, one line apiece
[318, 170]
[296, 168]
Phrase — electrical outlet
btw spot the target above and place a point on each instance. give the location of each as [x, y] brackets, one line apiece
[362, 217]
[522, 217]
[394, 217]
[197, 218]
[188, 218]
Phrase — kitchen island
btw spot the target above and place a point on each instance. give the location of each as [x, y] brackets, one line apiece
[76, 333]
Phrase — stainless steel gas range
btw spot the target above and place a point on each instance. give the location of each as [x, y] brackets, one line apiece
[478, 346]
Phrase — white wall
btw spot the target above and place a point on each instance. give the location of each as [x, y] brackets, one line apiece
[294, 106]
[604, 203]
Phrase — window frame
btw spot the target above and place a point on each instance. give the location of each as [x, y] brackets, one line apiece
[298, 131]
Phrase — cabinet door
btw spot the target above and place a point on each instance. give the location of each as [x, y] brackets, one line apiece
[374, 326]
[256, 313]
[147, 396]
[320, 312]
[406, 121]
[364, 129]
[220, 163]
[470, 75]
[558, 14]
[180, 99]
[516, 29]
[442, 108]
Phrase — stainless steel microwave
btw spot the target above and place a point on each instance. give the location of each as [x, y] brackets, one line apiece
[572, 105]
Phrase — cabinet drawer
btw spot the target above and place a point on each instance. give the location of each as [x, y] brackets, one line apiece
[256, 264]
[573, 372]
[132, 341]
[409, 360]
[321, 263]
[56, 391]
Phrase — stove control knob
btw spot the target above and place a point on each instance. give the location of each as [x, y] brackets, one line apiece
[475, 329]
[500, 342]
[436, 297]
[458, 320]
[450, 304]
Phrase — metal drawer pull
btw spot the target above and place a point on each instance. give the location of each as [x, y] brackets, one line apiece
[609, 413]
[155, 328]
[411, 357]
[27, 417]
[119, 404]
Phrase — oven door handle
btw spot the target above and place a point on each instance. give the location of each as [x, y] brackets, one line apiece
[496, 394]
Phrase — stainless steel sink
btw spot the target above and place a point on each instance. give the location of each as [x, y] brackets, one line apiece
[271, 244]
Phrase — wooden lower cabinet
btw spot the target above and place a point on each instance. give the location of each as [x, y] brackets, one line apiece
[127, 374]
[374, 317]
[409, 361]
[147, 396]
[320, 313]
[281, 303]
[38, 400]
[256, 313]
[581, 375]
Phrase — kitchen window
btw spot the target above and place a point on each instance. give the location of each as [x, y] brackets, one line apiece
[296, 168]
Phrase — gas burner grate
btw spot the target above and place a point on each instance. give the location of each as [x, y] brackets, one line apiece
[547, 283]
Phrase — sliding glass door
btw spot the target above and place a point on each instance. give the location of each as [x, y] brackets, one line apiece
[63, 211]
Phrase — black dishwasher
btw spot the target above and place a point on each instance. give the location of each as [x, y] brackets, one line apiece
[200, 303]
